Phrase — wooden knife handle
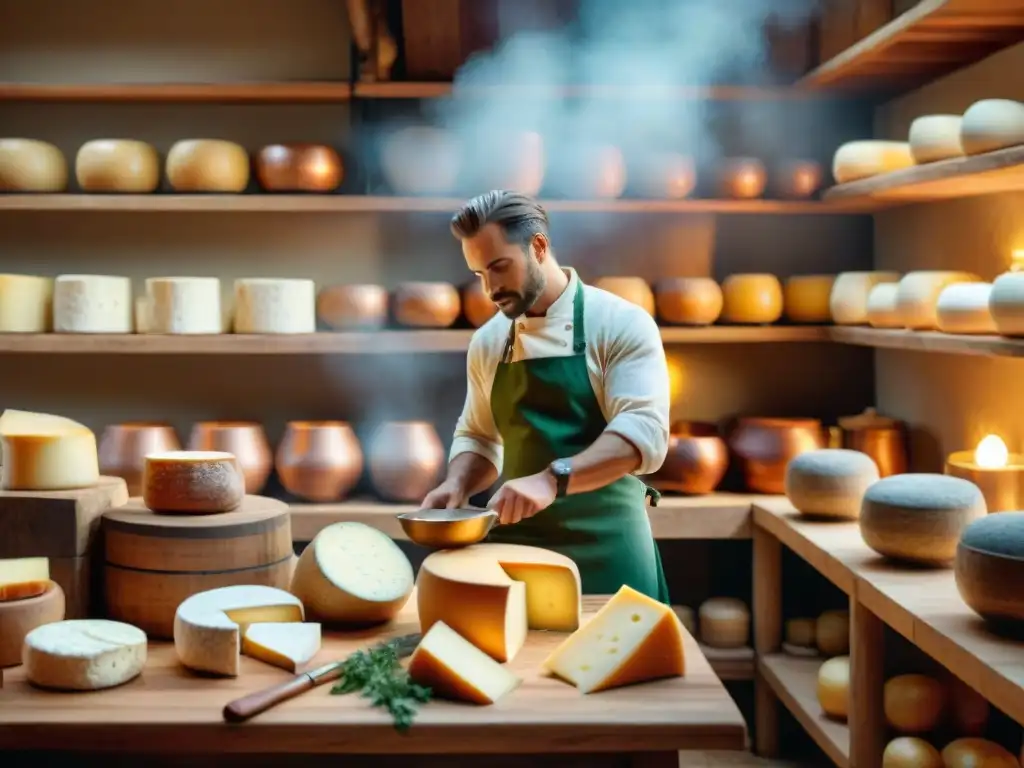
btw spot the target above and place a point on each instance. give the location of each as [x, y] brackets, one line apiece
[242, 709]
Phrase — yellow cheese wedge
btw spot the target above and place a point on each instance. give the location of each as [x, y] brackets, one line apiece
[632, 639]
[23, 577]
[46, 453]
[454, 668]
[289, 645]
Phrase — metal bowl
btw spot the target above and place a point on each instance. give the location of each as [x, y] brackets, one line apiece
[447, 528]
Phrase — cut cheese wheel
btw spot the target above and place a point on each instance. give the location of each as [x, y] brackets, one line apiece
[832, 633]
[914, 703]
[834, 687]
[26, 304]
[46, 453]
[724, 622]
[289, 645]
[753, 299]
[23, 577]
[208, 626]
[977, 753]
[992, 124]
[353, 574]
[207, 165]
[92, 304]
[864, 159]
[883, 309]
[910, 752]
[935, 137]
[963, 308]
[806, 298]
[454, 668]
[918, 295]
[849, 299]
[427, 305]
[1006, 304]
[492, 593]
[183, 305]
[83, 654]
[632, 639]
[273, 305]
[194, 482]
[801, 632]
[117, 165]
[19, 617]
[27, 165]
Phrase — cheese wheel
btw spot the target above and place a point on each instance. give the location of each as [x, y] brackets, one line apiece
[992, 124]
[754, 299]
[46, 453]
[688, 300]
[117, 165]
[286, 644]
[21, 616]
[343, 307]
[26, 304]
[882, 309]
[724, 622]
[977, 753]
[193, 482]
[849, 299]
[801, 632]
[92, 304]
[183, 305]
[834, 687]
[806, 298]
[476, 304]
[742, 178]
[353, 574]
[913, 703]
[274, 305]
[832, 633]
[963, 308]
[421, 160]
[633, 289]
[27, 165]
[83, 654]
[910, 752]
[1006, 304]
[207, 165]
[829, 482]
[22, 577]
[935, 137]
[918, 295]
[968, 710]
[863, 159]
[427, 305]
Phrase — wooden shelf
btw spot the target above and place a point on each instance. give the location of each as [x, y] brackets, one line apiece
[933, 38]
[221, 93]
[928, 341]
[795, 682]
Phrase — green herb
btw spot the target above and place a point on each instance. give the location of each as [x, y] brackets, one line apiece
[378, 676]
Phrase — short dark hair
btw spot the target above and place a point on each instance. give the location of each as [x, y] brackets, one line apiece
[519, 216]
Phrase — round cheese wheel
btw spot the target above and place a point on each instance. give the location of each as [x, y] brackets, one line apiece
[829, 482]
[1006, 304]
[910, 752]
[83, 654]
[968, 710]
[93, 304]
[753, 299]
[724, 622]
[914, 703]
[992, 124]
[688, 300]
[849, 299]
[832, 633]
[989, 566]
[426, 305]
[834, 687]
[918, 295]
[192, 482]
[864, 159]
[801, 632]
[806, 298]
[117, 165]
[274, 305]
[742, 178]
[476, 304]
[633, 289]
[26, 304]
[19, 617]
[27, 165]
[182, 305]
[207, 165]
[344, 307]
[977, 753]
[883, 309]
[421, 160]
[963, 308]
[935, 137]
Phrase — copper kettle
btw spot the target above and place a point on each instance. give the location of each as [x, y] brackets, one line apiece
[881, 438]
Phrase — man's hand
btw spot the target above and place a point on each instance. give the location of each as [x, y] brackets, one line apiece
[448, 495]
[523, 497]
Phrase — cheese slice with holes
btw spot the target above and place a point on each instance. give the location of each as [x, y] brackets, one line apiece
[632, 639]
[46, 453]
[83, 654]
[289, 645]
[454, 668]
[23, 577]
[208, 626]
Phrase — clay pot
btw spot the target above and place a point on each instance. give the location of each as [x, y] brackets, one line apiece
[696, 461]
[405, 459]
[689, 300]
[765, 446]
[421, 161]
[345, 307]
[123, 447]
[245, 439]
[742, 178]
[797, 179]
[632, 289]
[299, 168]
[426, 305]
[476, 304]
[319, 460]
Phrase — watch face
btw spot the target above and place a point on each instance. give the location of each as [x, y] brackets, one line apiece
[561, 467]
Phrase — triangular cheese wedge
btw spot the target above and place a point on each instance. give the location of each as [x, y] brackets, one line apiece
[454, 668]
[284, 644]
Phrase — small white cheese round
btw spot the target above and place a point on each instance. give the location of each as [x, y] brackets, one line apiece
[992, 124]
[963, 308]
[935, 137]
[883, 308]
[84, 654]
[863, 159]
[849, 299]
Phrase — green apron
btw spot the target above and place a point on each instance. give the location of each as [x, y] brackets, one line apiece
[545, 409]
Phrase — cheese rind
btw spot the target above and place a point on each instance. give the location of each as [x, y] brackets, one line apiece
[832, 633]
[918, 295]
[23, 577]
[834, 687]
[207, 165]
[806, 298]
[183, 305]
[910, 752]
[882, 309]
[92, 304]
[117, 165]
[963, 308]
[977, 753]
[913, 703]
[289, 645]
[46, 453]
[724, 622]
[26, 304]
[864, 159]
[28, 165]
[269, 305]
[194, 482]
[935, 137]
[992, 124]
[83, 654]
[849, 299]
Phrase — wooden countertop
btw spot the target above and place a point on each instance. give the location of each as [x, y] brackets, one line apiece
[169, 710]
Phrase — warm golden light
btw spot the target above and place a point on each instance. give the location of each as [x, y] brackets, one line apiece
[676, 378]
[991, 453]
[1017, 260]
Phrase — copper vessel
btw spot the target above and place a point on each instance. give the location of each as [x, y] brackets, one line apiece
[883, 439]
[765, 446]
[476, 304]
[697, 459]
[426, 305]
[742, 178]
[405, 459]
[123, 447]
[797, 179]
[346, 307]
[245, 439]
[319, 460]
[299, 168]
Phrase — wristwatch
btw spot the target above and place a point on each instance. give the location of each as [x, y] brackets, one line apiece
[562, 470]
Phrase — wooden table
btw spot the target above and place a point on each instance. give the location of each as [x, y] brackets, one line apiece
[168, 711]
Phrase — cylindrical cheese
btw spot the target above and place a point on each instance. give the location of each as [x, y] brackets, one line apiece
[832, 633]
[27, 165]
[207, 165]
[26, 304]
[801, 632]
[19, 617]
[192, 482]
[724, 622]
[92, 304]
[910, 752]
[688, 300]
[829, 482]
[183, 305]
[426, 305]
[834, 687]
[935, 137]
[274, 305]
[42, 452]
[918, 295]
[883, 310]
[633, 289]
[913, 703]
[344, 307]
[992, 124]
[849, 299]
[963, 308]
[806, 298]
[421, 160]
[977, 753]
[1006, 304]
[753, 299]
[863, 159]
[117, 165]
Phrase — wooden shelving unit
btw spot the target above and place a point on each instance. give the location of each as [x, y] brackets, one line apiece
[216, 93]
[928, 341]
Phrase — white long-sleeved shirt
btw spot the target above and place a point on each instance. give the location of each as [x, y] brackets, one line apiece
[625, 360]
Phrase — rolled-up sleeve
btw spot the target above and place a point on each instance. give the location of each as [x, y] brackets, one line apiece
[475, 431]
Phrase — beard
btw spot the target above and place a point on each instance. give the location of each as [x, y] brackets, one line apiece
[521, 303]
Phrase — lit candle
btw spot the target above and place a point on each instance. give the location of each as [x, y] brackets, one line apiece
[997, 472]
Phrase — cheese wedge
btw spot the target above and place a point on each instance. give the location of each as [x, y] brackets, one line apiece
[454, 668]
[492, 593]
[23, 577]
[208, 626]
[84, 654]
[632, 639]
[289, 645]
[46, 453]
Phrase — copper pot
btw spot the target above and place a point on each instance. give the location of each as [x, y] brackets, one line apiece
[742, 178]
[245, 439]
[299, 168]
[319, 460]
[476, 304]
[426, 305]
[405, 460]
[123, 447]
[881, 438]
[697, 459]
[765, 446]
[797, 179]
[344, 307]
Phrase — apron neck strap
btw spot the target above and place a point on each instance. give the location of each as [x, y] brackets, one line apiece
[579, 337]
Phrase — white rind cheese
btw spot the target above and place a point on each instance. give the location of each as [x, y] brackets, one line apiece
[271, 305]
[46, 453]
[850, 291]
[195, 482]
[883, 310]
[963, 308]
[84, 654]
[918, 295]
[183, 305]
[863, 159]
[992, 124]
[92, 304]
[289, 645]
[26, 304]
[935, 137]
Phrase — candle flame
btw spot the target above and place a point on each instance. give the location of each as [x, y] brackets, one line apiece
[991, 453]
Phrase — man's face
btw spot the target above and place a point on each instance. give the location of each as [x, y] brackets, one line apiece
[510, 276]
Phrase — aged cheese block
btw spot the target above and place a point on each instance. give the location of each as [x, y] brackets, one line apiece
[344, 307]
[46, 453]
[1006, 304]
[84, 654]
[724, 622]
[963, 308]
[883, 309]
[192, 482]
[990, 565]
[26, 304]
[919, 517]
[421, 160]
[910, 752]
[688, 300]
[454, 668]
[183, 305]
[806, 298]
[632, 289]
[849, 299]
[977, 753]
[918, 295]
[914, 703]
[800, 632]
[754, 299]
[834, 687]
[832, 633]
[207, 165]
[426, 305]
[992, 124]
[830, 482]
[22, 577]
[492, 593]
[27, 165]
[353, 574]
[208, 626]
[274, 305]
[92, 304]
[935, 137]
[863, 159]
[117, 165]
[287, 644]
[631, 639]
[19, 617]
